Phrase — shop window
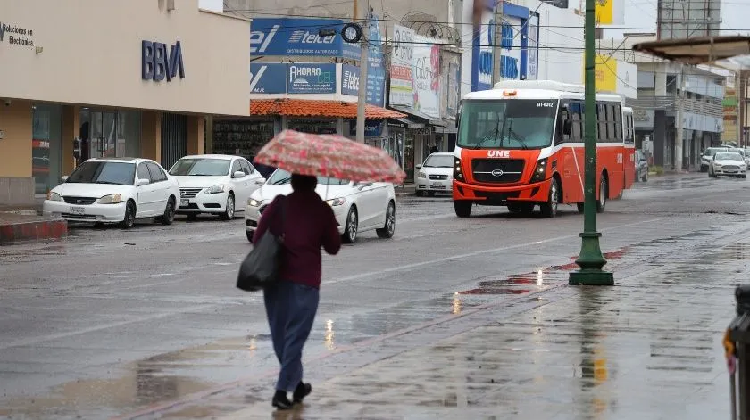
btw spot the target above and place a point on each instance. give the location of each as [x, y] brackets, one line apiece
[241, 137]
[129, 134]
[46, 146]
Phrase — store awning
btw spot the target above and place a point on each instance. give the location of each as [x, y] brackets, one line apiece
[420, 116]
[697, 50]
[307, 108]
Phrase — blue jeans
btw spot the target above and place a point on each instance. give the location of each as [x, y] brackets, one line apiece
[291, 309]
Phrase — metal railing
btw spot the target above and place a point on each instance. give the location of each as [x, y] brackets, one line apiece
[712, 107]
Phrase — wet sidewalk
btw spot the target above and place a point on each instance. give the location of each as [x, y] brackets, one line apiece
[646, 348]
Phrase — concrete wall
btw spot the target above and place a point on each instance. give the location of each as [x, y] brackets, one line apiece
[16, 122]
[89, 52]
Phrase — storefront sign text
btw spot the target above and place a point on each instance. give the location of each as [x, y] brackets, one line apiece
[268, 78]
[274, 36]
[311, 78]
[16, 35]
[157, 62]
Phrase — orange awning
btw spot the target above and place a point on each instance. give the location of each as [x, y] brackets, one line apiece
[307, 108]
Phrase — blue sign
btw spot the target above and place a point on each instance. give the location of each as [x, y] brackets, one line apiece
[269, 78]
[349, 80]
[312, 78]
[482, 60]
[375, 66]
[158, 63]
[373, 128]
[289, 36]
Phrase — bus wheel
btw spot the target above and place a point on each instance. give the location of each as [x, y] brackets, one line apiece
[549, 208]
[462, 208]
[580, 207]
[601, 203]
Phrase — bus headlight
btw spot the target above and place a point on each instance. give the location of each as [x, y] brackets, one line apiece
[457, 172]
[540, 172]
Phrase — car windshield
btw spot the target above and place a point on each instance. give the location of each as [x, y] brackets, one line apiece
[711, 152]
[728, 156]
[282, 177]
[103, 172]
[507, 124]
[200, 167]
[439, 161]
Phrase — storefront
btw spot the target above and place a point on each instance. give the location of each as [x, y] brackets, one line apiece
[66, 96]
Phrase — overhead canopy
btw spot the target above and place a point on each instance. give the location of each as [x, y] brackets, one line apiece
[697, 50]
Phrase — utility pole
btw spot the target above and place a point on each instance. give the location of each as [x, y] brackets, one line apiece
[497, 48]
[680, 128]
[365, 44]
[740, 93]
[590, 259]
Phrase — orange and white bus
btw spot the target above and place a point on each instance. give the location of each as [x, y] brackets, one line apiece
[521, 144]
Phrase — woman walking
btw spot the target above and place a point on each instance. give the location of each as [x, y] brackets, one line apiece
[306, 224]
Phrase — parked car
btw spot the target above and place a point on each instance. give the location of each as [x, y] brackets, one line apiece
[359, 207]
[641, 166]
[708, 155]
[435, 174]
[214, 184]
[115, 190]
[728, 164]
[742, 152]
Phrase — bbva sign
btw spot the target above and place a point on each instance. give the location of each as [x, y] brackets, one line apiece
[157, 63]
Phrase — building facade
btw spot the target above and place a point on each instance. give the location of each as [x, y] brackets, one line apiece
[87, 88]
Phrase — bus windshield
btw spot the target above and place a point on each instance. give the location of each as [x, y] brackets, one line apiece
[507, 124]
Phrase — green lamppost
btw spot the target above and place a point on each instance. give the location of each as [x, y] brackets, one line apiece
[590, 259]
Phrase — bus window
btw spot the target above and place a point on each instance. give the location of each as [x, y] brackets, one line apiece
[576, 115]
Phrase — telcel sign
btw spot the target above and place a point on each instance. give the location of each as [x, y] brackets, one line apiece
[156, 64]
[299, 37]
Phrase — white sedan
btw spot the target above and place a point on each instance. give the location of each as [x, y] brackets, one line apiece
[435, 174]
[728, 164]
[214, 184]
[115, 190]
[359, 207]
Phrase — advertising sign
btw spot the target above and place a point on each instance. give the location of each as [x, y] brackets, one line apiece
[289, 36]
[454, 89]
[511, 52]
[268, 78]
[482, 58]
[349, 80]
[532, 72]
[610, 12]
[312, 78]
[373, 128]
[606, 73]
[402, 92]
[375, 66]
[426, 74]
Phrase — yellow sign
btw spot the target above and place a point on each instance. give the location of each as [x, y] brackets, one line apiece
[606, 73]
[604, 12]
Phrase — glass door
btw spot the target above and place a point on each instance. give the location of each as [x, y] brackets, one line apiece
[102, 134]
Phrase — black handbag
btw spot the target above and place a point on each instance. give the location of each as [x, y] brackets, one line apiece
[261, 266]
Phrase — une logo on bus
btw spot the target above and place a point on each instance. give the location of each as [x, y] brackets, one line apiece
[498, 154]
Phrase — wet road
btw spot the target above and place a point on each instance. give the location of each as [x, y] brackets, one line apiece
[109, 321]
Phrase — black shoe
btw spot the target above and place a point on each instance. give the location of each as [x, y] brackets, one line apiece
[281, 401]
[301, 392]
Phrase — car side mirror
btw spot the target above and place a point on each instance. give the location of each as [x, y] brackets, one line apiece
[142, 181]
[64, 179]
[260, 181]
[239, 174]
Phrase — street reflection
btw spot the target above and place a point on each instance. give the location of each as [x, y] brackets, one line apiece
[330, 344]
[456, 303]
[540, 277]
[593, 366]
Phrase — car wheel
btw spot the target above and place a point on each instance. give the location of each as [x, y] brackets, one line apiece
[229, 212]
[580, 207]
[601, 203]
[249, 234]
[419, 193]
[352, 223]
[549, 208]
[389, 228]
[129, 220]
[430, 193]
[462, 208]
[168, 217]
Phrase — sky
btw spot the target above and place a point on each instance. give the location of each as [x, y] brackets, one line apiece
[640, 16]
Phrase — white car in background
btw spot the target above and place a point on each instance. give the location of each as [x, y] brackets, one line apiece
[115, 190]
[359, 207]
[727, 164]
[435, 174]
[214, 184]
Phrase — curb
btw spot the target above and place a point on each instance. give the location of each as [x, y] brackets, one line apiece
[22, 212]
[32, 231]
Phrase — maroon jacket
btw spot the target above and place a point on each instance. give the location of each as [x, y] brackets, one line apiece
[310, 224]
